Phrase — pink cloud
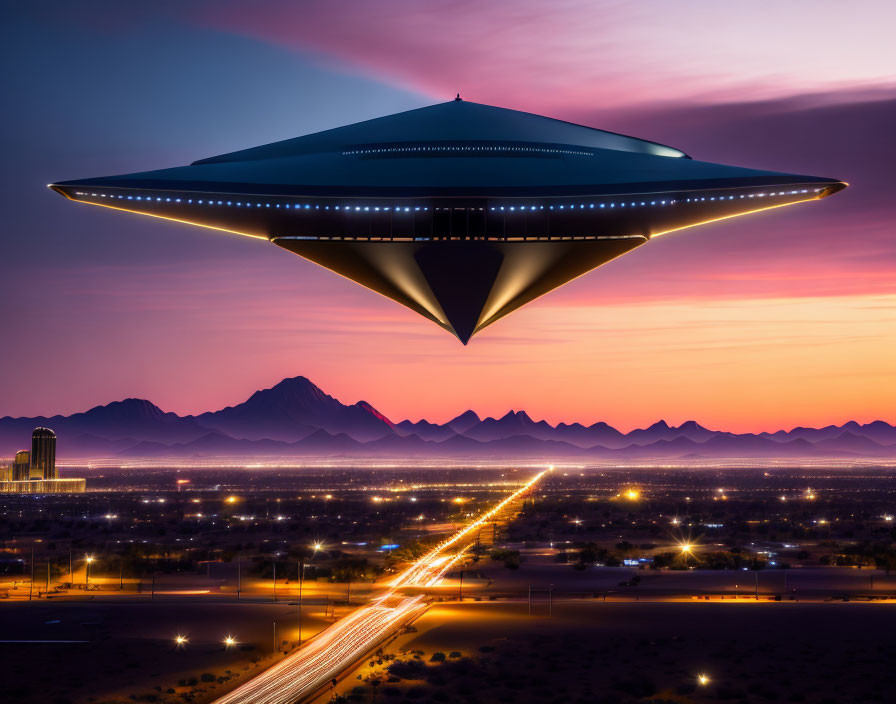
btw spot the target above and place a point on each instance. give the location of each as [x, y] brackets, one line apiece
[567, 55]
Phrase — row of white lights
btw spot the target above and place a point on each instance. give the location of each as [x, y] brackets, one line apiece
[408, 209]
[448, 148]
[633, 204]
[286, 206]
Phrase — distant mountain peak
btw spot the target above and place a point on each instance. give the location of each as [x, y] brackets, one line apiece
[300, 385]
[464, 422]
[293, 408]
[128, 408]
[374, 412]
[515, 415]
[691, 425]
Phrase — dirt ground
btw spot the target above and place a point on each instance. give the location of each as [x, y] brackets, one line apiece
[621, 653]
[125, 652]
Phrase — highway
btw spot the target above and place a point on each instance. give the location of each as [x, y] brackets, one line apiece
[339, 646]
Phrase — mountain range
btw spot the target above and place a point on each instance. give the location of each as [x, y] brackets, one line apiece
[295, 418]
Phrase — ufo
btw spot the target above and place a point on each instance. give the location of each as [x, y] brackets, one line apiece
[462, 212]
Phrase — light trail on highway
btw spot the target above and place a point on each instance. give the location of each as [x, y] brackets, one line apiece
[408, 577]
[336, 648]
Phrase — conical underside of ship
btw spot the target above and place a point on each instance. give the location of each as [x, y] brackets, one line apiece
[461, 286]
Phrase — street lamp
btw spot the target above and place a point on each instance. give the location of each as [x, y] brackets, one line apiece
[180, 640]
[89, 559]
[316, 547]
[229, 641]
[703, 679]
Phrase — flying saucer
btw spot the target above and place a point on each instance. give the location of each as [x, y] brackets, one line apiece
[460, 211]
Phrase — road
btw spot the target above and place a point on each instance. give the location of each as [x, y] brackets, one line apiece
[339, 646]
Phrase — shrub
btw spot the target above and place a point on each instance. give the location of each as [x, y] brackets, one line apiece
[407, 669]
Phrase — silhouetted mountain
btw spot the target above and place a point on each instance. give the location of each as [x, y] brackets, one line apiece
[402, 446]
[513, 423]
[644, 436]
[463, 422]
[880, 432]
[582, 436]
[212, 444]
[295, 418]
[424, 429]
[851, 442]
[292, 410]
[132, 418]
[320, 442]
[809, 434]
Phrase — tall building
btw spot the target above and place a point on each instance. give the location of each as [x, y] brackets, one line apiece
[21, 466]
[43, 454]
[35, 472]
[462, 212]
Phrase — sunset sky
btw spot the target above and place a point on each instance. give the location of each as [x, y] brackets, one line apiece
[778, 319]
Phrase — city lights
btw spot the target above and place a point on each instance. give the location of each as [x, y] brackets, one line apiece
[703, 679]
[343, 642]
[632, 494]
[231, 499]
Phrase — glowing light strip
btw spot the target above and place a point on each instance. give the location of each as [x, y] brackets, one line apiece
[735, 215]
[166, 217]
[484, 518]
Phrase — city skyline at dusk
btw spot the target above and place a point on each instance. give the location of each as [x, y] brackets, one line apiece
[782, 318]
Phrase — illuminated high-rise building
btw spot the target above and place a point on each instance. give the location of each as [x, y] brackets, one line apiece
[43, 454]
[21, 466]
[35, 472]
[462, 212]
